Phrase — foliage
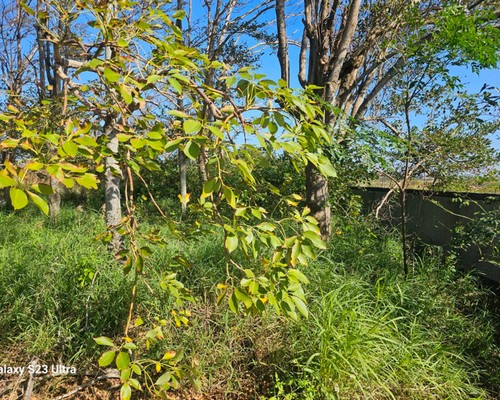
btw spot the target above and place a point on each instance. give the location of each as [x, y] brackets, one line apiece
[443, 143]
[73, 152]
[480, 235]
[134, 93]
[468, 37]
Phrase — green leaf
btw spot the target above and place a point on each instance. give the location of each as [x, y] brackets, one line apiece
[327, 169]
[153, 78]
[266, 226]
[94, 63]
[208, 188]
[164, 379]
[125, 374]
[242, 296]
[122, 43]
[178, 114]
[157, 132]
[137, 369]
[4, 117]
[110, 75]
[315, 239]
[274, 302]
[245, 169]
[134, 383]
[43, 188]
[18, 198]
[123, 137]
[68, 182]
[70, 148]
[151, 165]
[10, 143]
[122, 360]
[155, 144]
[6, 181]
[88, 181]
[40, 203]
[130, 346]
[29, 10]
[216, 131]
[104, 341]
[125, 392]
[191, 126]
[291, 147]
[126, 94]
[307, 250]
[229, 196]
[233, 303]
[231, 243]
[192, 150]
[175, 84]
[86, 141]
[299, 276]
[145, 251]
[138, 143]
[106, 358]
[301, 306]
[179, 14]
[172, 145]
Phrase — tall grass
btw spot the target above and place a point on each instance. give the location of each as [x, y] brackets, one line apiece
[372, 334]
[376, 335]
[50, 304]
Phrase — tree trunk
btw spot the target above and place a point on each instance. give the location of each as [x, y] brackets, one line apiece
[404, 235]
[317, 199]
[6, 191]
[182, 180]
[55, 198]
[113, 177]
[202, 165]
[282, 41]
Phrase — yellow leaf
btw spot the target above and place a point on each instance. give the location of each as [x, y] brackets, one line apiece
[187, 198]
[169, 355]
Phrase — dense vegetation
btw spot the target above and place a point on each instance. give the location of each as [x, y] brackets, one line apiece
[371, 333]
[208, 245]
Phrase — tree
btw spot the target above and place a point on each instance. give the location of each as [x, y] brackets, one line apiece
[51, 85]
[15, 65]
[222, 34]
[451, 139]
[148, 62]
[351, 50]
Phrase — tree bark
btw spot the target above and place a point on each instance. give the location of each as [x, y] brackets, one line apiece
[112, 181]
[182, 158]
[6, 196]
[317, 199]
[54, 199]
[282, 41]
[45, 75]
[327, 56]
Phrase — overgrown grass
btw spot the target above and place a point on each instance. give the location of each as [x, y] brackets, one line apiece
[372, 333]
[50, 304]
[375, 334]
